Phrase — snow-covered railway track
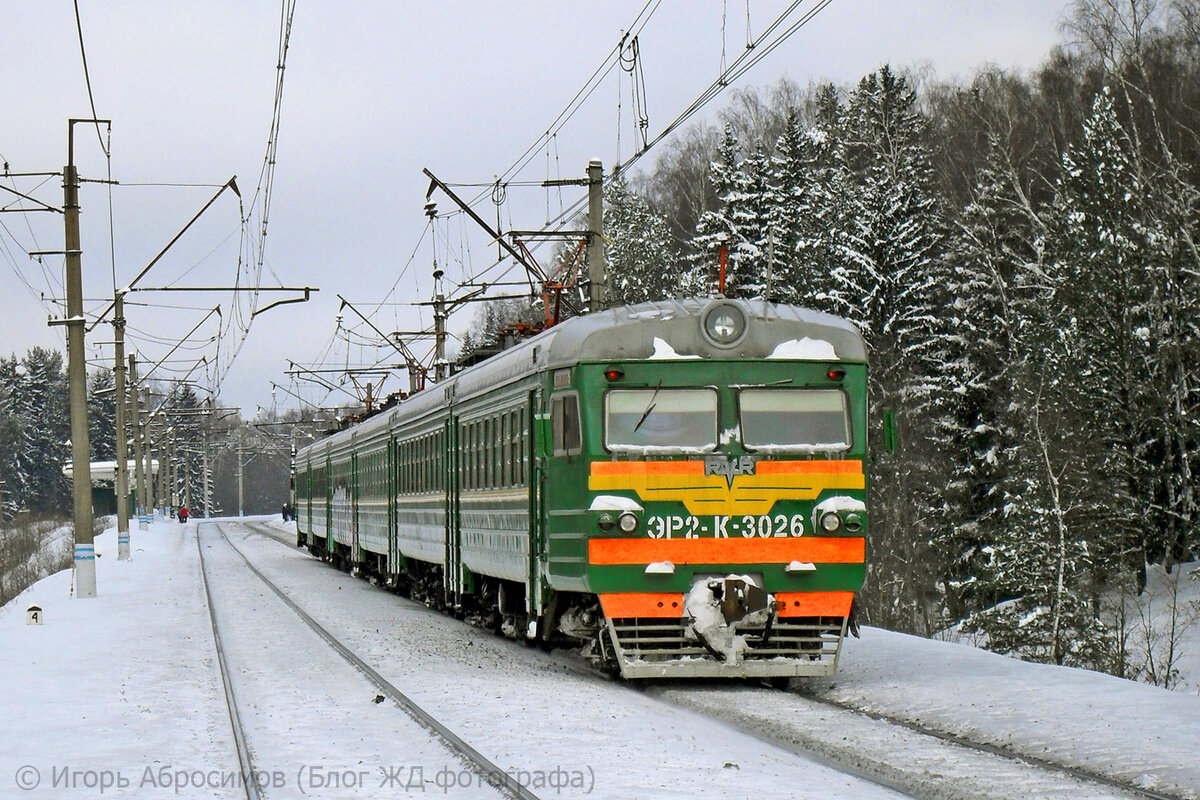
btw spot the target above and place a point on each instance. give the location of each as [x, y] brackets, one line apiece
[894, 752]
[249, 777]
[305, 691]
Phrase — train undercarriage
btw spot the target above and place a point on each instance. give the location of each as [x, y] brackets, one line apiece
[728, 627]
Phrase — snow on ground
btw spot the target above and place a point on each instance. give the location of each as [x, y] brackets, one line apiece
[1164, 623]
[30, 552]
[124, 689]
[1137, 732]
[128, 683]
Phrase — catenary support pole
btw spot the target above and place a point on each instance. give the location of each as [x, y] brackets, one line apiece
[122, 453]
[135, 430]
[81, 467]
[204, 487]
[241, 471]
[595, 253]
[147, 462]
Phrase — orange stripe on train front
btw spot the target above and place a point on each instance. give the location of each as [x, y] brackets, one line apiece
[808, 549]
[813, 604]
[655, 605]
[641, 604]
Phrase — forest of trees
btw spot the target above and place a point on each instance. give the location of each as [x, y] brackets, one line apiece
[1020, 252]
[35, 434]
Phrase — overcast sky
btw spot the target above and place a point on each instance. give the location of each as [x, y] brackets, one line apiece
[374, 92]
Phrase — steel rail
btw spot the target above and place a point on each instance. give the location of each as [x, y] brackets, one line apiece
[1036, 762]
[996, 750]
[246, 763]
[493, 774]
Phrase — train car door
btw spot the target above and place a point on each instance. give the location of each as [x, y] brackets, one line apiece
[535, 474]
[392, 489]
[356, 487]
[453, 571]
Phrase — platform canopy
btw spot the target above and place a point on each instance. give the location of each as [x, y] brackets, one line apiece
[107, 470]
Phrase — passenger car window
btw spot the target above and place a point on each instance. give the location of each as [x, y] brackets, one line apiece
[660, 420]
[791, 419]
[564, 424]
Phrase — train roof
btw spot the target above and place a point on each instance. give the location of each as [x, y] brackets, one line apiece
[630, 333]
[662, 330]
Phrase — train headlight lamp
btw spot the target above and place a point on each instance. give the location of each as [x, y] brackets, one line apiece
[627, 522]
[830, 522]
[854, 523]
[606, 522]
[724, 323]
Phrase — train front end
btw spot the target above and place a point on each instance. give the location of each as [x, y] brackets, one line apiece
[724, 520]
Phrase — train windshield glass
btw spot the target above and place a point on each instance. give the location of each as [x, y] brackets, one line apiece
[794, 419]
[660, 420]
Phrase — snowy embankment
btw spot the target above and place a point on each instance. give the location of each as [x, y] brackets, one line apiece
[29, 552]
[127, 683]
[1138, 733]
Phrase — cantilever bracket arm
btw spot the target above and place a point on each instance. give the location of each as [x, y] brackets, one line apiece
[308, 290]
[229, 184]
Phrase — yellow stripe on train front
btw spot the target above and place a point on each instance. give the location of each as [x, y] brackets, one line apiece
[685, 482]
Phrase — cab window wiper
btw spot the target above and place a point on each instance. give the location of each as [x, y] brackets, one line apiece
[649, 406]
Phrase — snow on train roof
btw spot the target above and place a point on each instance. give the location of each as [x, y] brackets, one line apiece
[648, 331]
[671, 330]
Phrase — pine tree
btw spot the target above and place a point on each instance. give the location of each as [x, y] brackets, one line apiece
[14, 483]
[102, 415]
[739, 224]
[642, 259]
[893, 284]
[42, 404]
[798, 264]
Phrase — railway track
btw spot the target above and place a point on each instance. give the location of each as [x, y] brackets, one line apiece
[895, 753]
[250, 779]
[486, 773]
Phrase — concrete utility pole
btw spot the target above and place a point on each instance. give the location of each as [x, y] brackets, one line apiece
[135, 430]
[204, 488]
[81, 465]
[122, 432]
[441, 367]
[147, 471]
[241, 471]
[597, 280]
[162, 498]
[187, 485]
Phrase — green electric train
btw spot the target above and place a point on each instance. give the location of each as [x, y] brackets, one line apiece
[679, 486]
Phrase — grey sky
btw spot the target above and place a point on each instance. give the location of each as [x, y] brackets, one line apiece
[374, 92]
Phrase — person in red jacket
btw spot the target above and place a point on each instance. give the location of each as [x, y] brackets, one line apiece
[183, 515]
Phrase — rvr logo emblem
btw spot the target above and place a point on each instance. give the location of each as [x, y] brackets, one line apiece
[729, 467]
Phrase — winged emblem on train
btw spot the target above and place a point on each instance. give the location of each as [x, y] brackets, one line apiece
[729, 467]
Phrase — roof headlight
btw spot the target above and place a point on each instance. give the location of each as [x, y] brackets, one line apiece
[724, 323]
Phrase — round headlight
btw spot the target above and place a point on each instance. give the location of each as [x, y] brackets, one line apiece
[628, 521]
[854, 523]
[830, 521]
[724, 323]
[606, 522]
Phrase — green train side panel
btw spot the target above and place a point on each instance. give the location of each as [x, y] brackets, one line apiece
[779, 506]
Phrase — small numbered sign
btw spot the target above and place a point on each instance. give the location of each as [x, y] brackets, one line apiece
[33, 615]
